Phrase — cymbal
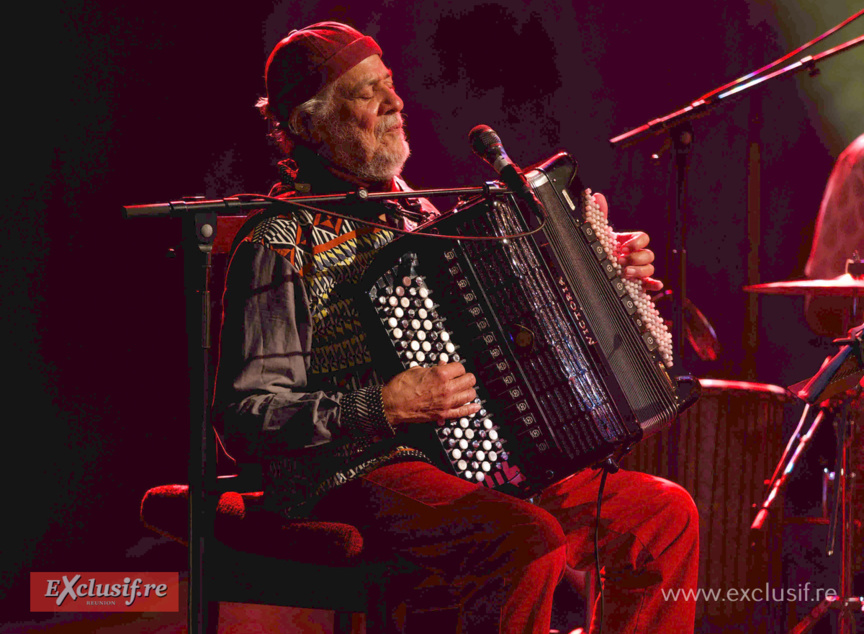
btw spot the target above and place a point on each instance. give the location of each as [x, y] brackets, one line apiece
[844, 285]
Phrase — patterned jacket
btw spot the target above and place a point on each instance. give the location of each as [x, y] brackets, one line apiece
[296, 386]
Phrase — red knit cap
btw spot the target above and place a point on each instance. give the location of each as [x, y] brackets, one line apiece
[309, 59]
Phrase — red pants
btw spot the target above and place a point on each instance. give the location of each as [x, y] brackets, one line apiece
[504, 556]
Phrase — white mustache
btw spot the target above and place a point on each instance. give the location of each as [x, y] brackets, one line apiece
[388, 122]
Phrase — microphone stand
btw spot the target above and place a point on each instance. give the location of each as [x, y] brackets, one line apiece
[199, 223]
[231, 206]
[677, 125]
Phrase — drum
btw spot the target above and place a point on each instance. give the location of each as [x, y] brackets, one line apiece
[722, 450]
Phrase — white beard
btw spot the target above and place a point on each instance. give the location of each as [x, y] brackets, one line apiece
[357, 152]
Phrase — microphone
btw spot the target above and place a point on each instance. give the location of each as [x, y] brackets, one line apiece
[486, 144]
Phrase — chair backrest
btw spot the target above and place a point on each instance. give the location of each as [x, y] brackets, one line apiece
[226, 229]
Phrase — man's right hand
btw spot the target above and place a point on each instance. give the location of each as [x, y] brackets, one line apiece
[421, 395]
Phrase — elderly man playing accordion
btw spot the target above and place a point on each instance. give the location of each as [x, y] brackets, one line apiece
[329, 441]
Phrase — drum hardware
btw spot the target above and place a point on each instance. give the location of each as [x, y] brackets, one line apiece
[830, 388]
[835, 387]
[841, 506]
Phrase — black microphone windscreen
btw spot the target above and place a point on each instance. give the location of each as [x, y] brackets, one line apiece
[485, 142]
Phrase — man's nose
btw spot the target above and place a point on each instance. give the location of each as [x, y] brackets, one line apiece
[391, 103]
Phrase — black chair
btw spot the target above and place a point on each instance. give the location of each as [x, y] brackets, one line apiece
[240, 552]
[252, 556]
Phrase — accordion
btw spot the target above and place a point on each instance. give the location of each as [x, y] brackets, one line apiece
[572, 361]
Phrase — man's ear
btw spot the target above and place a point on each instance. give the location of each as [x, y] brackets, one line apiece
[300, 124]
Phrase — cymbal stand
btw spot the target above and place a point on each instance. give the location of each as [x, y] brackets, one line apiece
[847, 405]
[831, 387]
[841, 514]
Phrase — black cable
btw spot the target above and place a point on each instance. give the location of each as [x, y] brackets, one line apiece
[608, 466]
[378, 225]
